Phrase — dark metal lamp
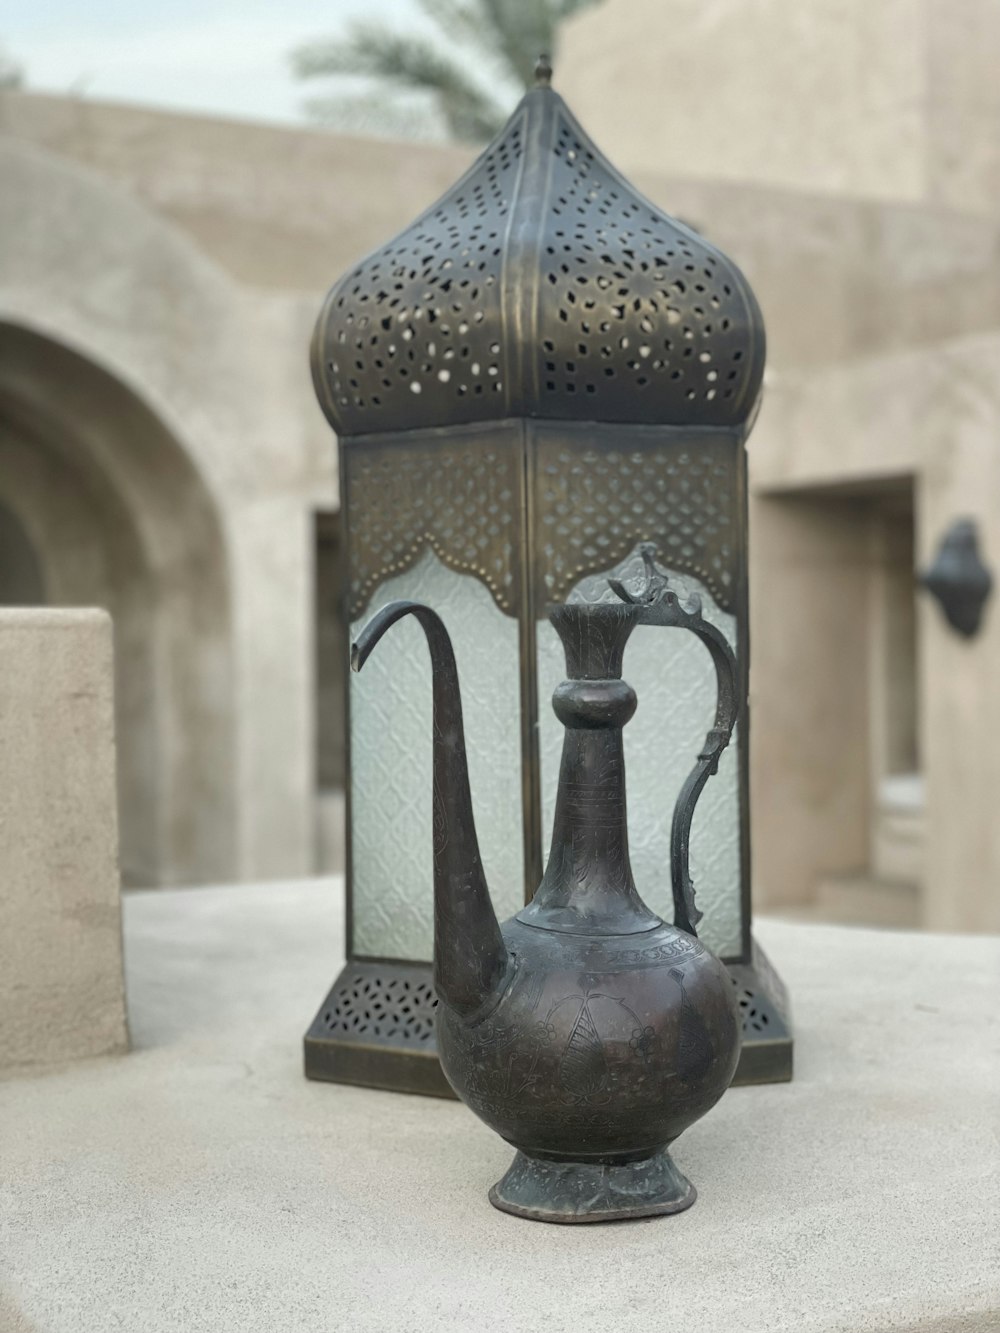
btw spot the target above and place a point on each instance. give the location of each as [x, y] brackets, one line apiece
[537, 377]
[958, 579]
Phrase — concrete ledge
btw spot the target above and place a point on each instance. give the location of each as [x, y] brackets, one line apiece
[61, 985]
[202, 1184]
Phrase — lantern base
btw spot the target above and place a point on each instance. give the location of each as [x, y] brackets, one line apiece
[572, 1192]
[375, 1028]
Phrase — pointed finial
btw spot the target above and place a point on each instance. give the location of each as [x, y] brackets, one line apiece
[543, 71]
[654, 588]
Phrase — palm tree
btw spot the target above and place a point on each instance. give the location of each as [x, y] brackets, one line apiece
[11, 73]
[503, 38]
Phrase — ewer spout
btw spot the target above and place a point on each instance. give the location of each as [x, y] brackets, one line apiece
[471, 962]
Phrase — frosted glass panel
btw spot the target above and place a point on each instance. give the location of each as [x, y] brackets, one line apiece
[672, 674]
[391, 759]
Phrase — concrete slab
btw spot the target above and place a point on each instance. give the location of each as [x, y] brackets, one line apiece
[61, 984]
[202, 1184]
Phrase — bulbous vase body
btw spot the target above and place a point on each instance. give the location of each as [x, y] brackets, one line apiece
[601, 1049]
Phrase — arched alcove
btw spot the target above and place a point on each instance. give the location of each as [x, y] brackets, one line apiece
[114, 512]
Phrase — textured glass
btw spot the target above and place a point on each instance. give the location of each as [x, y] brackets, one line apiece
[672, 674]
[391, 759]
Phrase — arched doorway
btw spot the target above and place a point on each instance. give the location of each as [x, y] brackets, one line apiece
[21, 580]
[101, 505]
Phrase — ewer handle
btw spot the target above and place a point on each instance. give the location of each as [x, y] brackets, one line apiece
[659, 605]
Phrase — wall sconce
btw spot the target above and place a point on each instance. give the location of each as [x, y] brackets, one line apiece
[958, 579]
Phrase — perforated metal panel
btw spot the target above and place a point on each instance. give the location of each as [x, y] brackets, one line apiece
[414, 334]
[593, 505]
[542, 284]
[370, 1005]
[640, 318]
[459, 499]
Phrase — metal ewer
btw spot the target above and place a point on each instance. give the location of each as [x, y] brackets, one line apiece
[585, 1030]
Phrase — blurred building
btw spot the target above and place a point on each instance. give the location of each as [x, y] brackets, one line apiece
[161, 453]
[848, 154]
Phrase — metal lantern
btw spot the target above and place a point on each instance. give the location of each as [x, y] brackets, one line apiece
[537, 378]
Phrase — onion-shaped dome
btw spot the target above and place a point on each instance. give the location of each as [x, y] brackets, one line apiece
[541, 285]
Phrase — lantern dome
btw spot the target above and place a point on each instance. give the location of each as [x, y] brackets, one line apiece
[540, 285]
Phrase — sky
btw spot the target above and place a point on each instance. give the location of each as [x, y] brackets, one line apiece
[224, 57]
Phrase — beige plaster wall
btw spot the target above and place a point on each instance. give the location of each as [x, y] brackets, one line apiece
[190, 400]
[61, 986]
[276, 207]
[809, 703]
[838, 275]
[209, 247]
[960, 699]
[832, 437]
[896, 100]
